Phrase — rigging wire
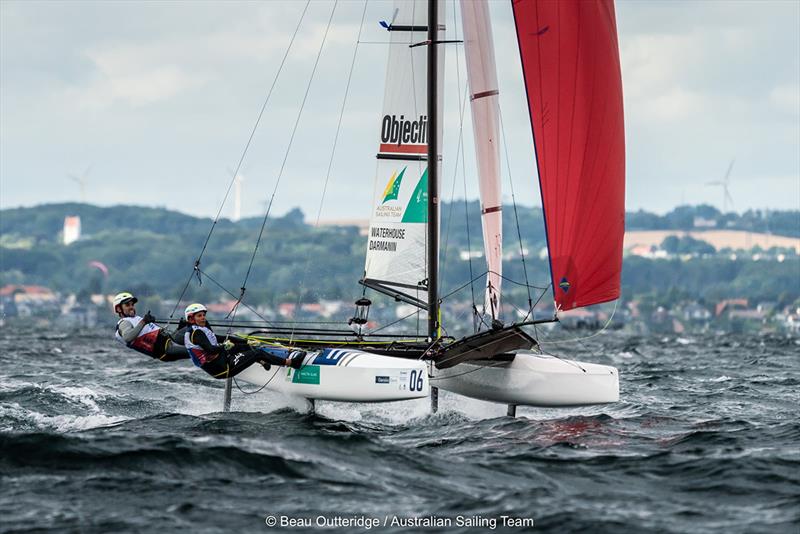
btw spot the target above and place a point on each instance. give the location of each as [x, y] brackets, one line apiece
[253, 392]
[448, 225]
[333, 150]
[557, 357]
[573, 340]
[289, 147]
[382, 43]
[419, 163]
[417, 312]
[463, 105]
[514, 202]
[267, 321]
[462, 286]
[195, 269]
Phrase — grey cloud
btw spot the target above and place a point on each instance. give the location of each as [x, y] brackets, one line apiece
[158, 94]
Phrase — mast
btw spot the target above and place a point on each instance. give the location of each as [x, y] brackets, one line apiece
[433, 172]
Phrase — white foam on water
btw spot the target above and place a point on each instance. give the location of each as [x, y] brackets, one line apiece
[392, 413]
[403, 412]
[205, 401]
[263, 401]
[68, 423]
[81, 394]
[59, 423]
[9, 384]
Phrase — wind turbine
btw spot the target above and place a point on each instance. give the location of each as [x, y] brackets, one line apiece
[81, 180]
[726, 194]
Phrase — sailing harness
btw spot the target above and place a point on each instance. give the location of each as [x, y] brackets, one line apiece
[197, 353]
[148, 341]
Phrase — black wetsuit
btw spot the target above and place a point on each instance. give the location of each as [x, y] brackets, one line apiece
[171, 351]
[222, 363]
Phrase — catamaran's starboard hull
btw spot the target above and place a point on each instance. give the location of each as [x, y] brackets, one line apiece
[346, 376]
[532, 380]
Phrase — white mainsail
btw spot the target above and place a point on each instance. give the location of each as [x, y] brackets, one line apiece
[482, 77]
[396, 255]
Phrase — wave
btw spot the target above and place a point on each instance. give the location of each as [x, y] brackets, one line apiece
[13, 417]
[704, 438]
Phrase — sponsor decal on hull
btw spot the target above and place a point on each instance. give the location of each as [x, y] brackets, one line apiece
[306, 375]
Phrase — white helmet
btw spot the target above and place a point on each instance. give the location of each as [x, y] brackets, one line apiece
[191, 309]
[119, 298]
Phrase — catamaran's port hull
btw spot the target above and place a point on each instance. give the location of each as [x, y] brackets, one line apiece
[353, 376]
[532, 380]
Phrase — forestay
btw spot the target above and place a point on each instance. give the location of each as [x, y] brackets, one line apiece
[396, 256]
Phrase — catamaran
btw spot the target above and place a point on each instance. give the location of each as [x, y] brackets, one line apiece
[571, 70]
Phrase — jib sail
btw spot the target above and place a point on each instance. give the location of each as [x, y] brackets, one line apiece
[396, 255]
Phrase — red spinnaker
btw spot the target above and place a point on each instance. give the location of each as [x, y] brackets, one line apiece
[570, 60]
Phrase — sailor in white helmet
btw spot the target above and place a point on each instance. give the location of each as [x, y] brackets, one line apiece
[221, 362]
[142, 334]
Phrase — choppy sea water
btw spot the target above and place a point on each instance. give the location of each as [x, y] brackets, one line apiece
[96, 438]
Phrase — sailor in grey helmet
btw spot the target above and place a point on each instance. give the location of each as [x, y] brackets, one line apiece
[142, 334]
[228, 359]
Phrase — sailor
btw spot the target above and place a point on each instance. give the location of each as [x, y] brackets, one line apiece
[141, 334]
[228, 359]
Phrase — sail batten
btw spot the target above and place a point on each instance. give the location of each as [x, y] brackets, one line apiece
[570, 60]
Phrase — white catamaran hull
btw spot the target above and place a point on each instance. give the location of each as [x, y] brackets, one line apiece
[347, 376]
[532, 379]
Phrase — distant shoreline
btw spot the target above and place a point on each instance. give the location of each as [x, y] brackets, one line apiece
[719, 239]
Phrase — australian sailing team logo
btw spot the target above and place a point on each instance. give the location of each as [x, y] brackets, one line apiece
[392, 190]
[416, 205]
[405, 136]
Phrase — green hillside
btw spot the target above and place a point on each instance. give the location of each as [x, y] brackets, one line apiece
[152, 251]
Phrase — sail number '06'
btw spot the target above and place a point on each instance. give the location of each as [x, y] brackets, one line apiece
[415, 381]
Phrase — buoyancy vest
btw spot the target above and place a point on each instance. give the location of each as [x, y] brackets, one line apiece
[145, 342]
[199, 356]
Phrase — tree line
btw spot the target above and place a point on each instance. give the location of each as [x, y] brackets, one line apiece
[152, 251]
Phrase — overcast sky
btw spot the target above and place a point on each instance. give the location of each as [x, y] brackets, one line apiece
[157, 100]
